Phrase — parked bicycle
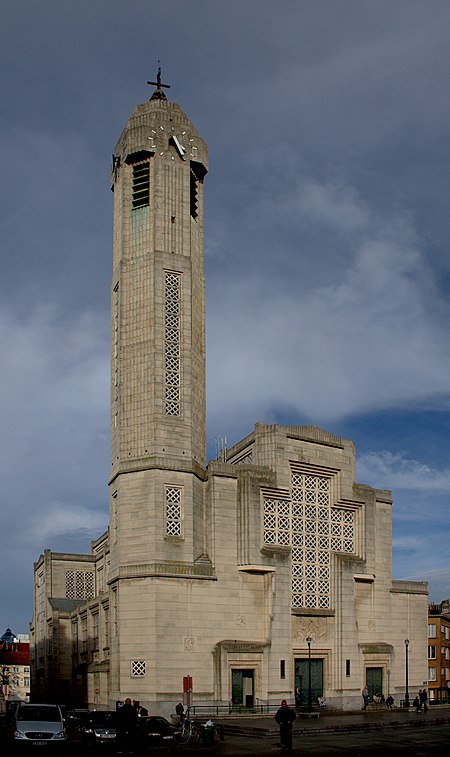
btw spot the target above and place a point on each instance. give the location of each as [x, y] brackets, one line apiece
[187, 732]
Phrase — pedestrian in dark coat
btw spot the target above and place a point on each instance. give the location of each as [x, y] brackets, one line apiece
[127, 719]
[423, 696]
[285, 717]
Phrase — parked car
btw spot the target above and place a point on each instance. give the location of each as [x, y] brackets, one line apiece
[154, 729]
[100, 727]
[38, 724]
[76, 719]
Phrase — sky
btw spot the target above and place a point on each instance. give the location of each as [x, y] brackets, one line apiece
[326, 246]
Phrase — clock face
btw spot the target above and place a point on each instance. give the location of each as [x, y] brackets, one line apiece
[161, 139]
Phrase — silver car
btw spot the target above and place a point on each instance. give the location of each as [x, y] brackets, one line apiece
[38, 724]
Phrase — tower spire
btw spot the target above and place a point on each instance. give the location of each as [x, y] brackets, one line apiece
[158, 94]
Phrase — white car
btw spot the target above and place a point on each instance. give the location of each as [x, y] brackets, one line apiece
[38, 724]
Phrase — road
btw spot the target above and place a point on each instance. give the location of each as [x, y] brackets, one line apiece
[427, 741]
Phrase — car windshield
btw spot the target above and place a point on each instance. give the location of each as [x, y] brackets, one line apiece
[49, 714]
[103, 718]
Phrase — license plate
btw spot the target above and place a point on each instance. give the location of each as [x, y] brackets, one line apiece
[40, 743]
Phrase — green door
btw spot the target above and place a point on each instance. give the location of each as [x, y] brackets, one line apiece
[374, 681]
[302, 681]
[242, 688]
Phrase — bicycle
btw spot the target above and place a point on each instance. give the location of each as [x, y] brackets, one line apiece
[187, 732]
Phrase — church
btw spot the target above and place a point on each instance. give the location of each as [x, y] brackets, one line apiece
[262, 575]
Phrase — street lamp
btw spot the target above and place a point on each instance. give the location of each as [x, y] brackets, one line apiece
[309, 640]
[406, 673]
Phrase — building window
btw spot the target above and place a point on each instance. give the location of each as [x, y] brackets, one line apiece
[116, 321]
[314, 528]
[172, 341]
[141, 185]
[173, 510]
[194, 195]
[75, 637]
[432, 674]
[431, 630]
[282, 668]
[95, 631]
[138, 668]
[84, 634]
[101, 580]
[26, 681]
[115, 517]
[79, 584]
[347, 668]
[432, 653]
[106, 626]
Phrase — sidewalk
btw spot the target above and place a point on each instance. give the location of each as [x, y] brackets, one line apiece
[260, 727]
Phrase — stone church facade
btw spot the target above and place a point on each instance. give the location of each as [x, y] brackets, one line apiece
[248, 574]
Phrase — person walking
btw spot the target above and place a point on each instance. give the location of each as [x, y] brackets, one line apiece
[389, 702]
[423, 696]
[365, 696]
[127, 719]
[285, 717]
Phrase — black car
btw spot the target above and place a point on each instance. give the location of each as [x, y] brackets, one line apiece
[100, 727]
[76, 719]
[154, 729]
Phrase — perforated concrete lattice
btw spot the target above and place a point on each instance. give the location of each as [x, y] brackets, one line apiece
[313, 528]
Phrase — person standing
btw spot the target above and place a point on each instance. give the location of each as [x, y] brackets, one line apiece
[285, 717]
[365, 696]
[179, 709]
[127, 719]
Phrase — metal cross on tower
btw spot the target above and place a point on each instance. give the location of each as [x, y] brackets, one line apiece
[158, 83]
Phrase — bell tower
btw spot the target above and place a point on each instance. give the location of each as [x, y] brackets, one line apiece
[157, 339]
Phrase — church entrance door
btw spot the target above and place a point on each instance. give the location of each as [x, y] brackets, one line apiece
[242, 687]
[302, 681]
[374, 681]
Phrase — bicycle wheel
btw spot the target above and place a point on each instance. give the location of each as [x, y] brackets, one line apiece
[182, 736]
[196, 735]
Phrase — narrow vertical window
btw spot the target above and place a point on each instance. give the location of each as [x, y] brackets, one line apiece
[140, 193]
[116, 353]
[194, 195]
[172, 333]
[115, 517]
[347, 668]
[173, 510]
[282, 668]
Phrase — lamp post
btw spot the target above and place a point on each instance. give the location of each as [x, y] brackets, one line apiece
[309, 640]
[406, 673]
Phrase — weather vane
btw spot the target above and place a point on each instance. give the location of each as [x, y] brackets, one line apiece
[158, 83]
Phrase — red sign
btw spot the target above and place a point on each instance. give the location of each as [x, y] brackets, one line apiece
[187, 690]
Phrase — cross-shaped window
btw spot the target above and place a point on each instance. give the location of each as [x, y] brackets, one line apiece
[314, 528]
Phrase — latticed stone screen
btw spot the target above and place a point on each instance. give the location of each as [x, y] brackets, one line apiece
[79, 584]
[173, 511]
[138, 668]
[172, 331]
[314, 529]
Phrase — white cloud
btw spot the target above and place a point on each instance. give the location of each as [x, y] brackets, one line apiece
[395, 471]
[63, 519]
